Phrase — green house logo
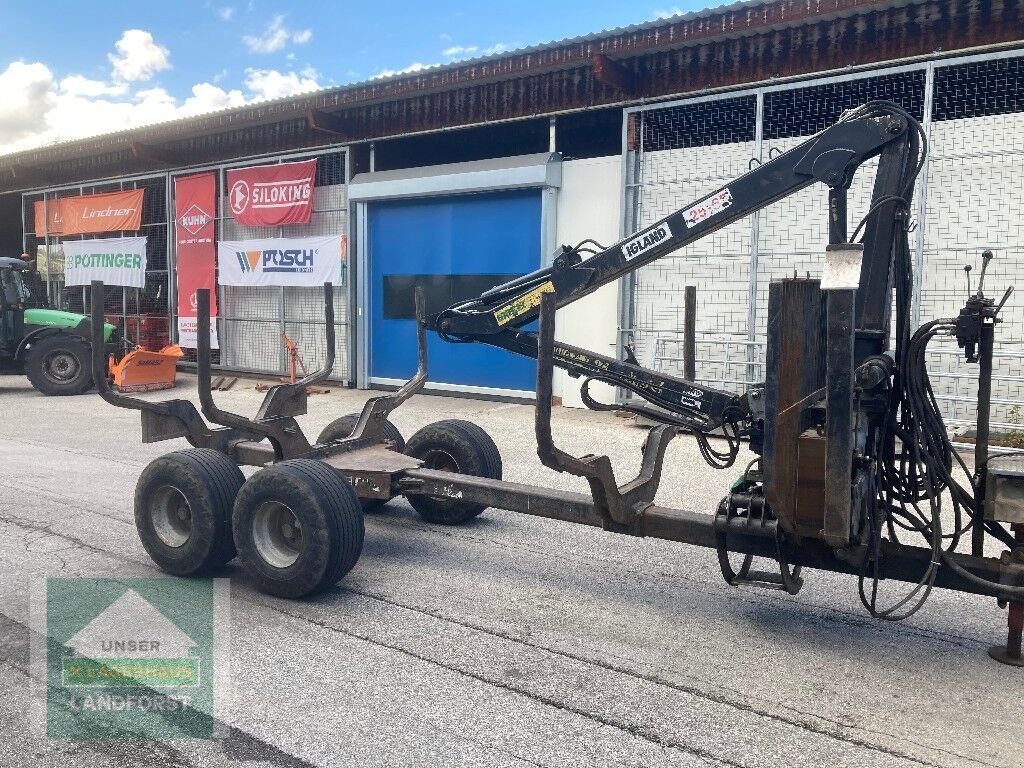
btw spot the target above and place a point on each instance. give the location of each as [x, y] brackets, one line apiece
[130, 658]
[131, 643]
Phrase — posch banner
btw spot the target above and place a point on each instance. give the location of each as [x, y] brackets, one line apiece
[305, 261]
[115, 261]
[91, 214]
[195, 253]
[269, 195]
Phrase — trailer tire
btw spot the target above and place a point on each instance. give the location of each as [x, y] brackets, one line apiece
[298, 527]
[343, 426]
[59, 364]
[458, 446]
[183, 507]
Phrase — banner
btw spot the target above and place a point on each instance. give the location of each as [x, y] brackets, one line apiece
[109, 212]
[115, 261]
[90, 214]
[195, 254]
[306, 261]
[269, 195]
[51, 207]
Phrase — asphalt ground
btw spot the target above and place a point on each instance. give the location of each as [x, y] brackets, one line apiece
[511, 640]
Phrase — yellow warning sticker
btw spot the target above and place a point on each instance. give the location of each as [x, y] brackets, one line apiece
[522, 304]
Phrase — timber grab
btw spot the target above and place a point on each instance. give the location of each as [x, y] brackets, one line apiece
[852, 453]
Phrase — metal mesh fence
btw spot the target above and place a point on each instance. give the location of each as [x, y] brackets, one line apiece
[972, 200]
[976, 201]
[684, 153]
[255, 321]
[141, 314]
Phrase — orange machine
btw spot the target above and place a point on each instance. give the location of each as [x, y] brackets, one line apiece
[143, 371]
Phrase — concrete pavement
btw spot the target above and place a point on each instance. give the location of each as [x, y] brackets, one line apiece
[510, 641]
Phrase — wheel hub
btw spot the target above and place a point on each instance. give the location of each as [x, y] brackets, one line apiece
[277, 534]
[61, 366]
[440, 460]
[171, 516]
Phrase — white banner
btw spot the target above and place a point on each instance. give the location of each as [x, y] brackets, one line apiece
[115, 261]
[300, 261]
[188, 333]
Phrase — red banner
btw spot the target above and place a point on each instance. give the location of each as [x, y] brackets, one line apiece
[51, 207]
[109, 212]
[269, 195]
[91, 214]
[194, 206]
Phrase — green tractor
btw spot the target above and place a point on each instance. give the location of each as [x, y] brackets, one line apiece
[52, 346]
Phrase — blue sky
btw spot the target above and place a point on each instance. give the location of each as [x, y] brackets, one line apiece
[69, 69]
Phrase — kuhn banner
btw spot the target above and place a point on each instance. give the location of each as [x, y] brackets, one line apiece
[306, 261]
[269, 195]
[109, 212]
[195, 253]
[115, 261]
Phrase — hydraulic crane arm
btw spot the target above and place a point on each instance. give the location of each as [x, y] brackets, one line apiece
[831, 157]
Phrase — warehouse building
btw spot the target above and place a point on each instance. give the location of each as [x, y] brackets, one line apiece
[460, 176]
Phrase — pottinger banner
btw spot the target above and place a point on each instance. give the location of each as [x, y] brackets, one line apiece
[115, 261]
[92, 214]
[194, 204]
[307, 261]
[269, 195]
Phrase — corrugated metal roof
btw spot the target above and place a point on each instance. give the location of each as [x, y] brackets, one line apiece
[731, 19]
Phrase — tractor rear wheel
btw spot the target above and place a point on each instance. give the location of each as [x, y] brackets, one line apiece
[183, 510]
[298, 527]
[457, 446]
[60, 364]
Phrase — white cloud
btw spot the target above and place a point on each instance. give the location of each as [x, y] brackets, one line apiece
[26, 95]
[226, 13]
[79, 85]
[500, 48]
[276, 36]
[273, 84]
[36, 109]
[207, 97]
[138, 56]
[668, 13]
[414, 67]
[459, 51]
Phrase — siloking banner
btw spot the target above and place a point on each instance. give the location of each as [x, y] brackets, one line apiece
[269, 195]
[115, 261]
[195, 252]
[302, 261]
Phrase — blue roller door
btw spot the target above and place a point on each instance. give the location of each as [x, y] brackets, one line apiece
[455, 247]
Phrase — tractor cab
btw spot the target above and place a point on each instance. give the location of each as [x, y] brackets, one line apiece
[14, 298]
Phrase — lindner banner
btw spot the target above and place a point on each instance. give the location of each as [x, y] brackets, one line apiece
[306, 261]
[195, 253]
[115, 261]
[269, 195]
[91, 214]
[48, 210]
